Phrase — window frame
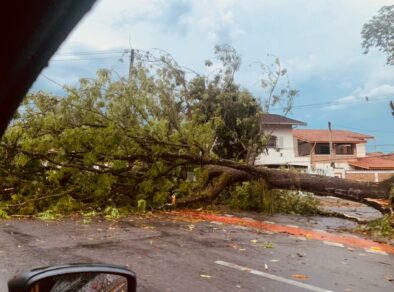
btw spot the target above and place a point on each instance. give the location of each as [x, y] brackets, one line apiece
[325, 145]
[272, 142]
[344, 144]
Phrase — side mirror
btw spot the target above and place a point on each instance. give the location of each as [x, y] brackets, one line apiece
[75, 277]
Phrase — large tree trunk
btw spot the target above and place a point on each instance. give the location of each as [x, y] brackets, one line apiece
[230, 172]
[224, 176]
[330, 186]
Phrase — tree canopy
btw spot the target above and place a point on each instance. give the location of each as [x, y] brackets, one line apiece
[164, 134]
[120, 140]
[379, 33]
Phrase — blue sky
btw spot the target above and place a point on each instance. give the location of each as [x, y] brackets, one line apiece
[318, 41]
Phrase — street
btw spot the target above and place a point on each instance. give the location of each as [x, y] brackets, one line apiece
[170, 253]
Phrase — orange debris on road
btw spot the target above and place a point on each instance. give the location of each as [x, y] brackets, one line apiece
[350, 241]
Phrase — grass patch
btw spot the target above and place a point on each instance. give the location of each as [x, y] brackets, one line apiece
[379, 227]
[4, 215]
[112, 213]
[255, 196]
[49, 215]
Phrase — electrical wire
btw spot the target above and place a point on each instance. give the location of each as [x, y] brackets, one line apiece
[53, 81]
[103, 52]
[365, 130]
[333, 103]
[85, 59]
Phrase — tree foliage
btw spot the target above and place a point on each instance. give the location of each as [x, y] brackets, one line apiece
[379, 33]
[130, 142]
[113, 143]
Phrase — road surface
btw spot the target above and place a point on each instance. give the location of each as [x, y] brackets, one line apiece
[169, 254]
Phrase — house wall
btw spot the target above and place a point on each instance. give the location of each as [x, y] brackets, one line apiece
[291, 152]
[369, 175]
[285, 152]
[340, 161]
[361, 150]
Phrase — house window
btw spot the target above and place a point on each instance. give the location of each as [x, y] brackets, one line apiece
[322, 148]
[272, 142]
[344, 149]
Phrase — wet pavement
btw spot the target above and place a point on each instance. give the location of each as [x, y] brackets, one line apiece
[351, 209]
[176, 254]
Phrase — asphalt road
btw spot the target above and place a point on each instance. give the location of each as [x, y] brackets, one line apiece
[173, 255]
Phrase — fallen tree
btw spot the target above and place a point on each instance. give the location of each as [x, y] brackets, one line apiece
[370, 194]
[227, 173]
[132, 142]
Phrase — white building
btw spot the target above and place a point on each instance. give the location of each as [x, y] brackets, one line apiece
[310, 149]
[281, 146]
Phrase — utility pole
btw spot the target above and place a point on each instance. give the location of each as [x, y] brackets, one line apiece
[131, 63]
[331, 145]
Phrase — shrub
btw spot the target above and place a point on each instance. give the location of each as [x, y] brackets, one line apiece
[3, 214]
[141, 205]
[255, 196]
[381, 227]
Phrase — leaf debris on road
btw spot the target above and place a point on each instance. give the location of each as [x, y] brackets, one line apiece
[300, 276]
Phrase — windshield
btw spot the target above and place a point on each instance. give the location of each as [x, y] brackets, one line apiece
[210, 145]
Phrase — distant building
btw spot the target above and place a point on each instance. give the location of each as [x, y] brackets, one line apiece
[310, 149]
[373, 168]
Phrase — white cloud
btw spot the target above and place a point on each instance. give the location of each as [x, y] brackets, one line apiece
[382, 91]
[318, 42]
[346, 84]
[218, 21]
[366, 95]
[112, 23]
[303, 67]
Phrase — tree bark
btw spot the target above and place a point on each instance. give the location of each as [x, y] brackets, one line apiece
[225, 177]
[232, 172]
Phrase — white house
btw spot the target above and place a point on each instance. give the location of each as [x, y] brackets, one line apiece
[310, 148]
[281, 146]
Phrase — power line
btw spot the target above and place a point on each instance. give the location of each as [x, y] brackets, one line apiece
[335, 102]
[104, 52]
[384, 145]
[365, 130]
[53, 81]
[85, 59]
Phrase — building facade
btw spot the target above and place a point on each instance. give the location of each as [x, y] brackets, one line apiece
[337, 153]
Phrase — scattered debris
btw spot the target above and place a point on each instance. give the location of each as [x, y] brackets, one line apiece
[299, 276]
[268, 245]
[389, 278]
[234, 246]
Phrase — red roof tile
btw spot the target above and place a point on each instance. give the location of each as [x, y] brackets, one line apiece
[372, 154]
[375, 162]
[323, 136]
